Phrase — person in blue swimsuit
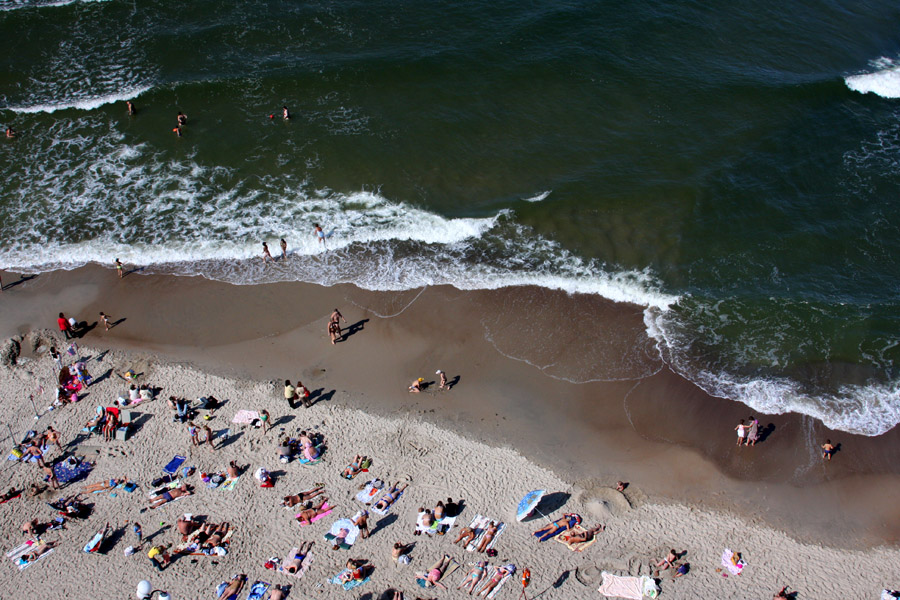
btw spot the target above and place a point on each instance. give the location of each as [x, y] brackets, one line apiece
[566, 522]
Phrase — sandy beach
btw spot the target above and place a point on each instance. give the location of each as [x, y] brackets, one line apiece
[517, 419]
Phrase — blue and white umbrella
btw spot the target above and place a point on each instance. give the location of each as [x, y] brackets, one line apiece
[528, 504]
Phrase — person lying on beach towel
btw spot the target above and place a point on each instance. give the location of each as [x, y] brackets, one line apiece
[434, 575]
[172, 494]
[360, 464]
[488, 536]
[232, 589]
[474, 577]
[564, 523]
[580, 537]
[302, 497]
[497, 578]
[388, 499]
[310, 512]
[294, 562]
[36, 554]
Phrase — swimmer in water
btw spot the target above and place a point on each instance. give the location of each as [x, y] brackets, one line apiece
[285, 113]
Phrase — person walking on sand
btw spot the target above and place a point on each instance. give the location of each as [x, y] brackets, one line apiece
[120, 268]
[303, 394]
[827, 450]
[264, 419]
[139, 533]
[56, 356]
[283, 249]
[334, 332]
[445, 385]
[290, 393]
[64, 326]
[753, 434]
[741, 433]
[105, 318]
[265, 255]
[209, 437]
[319, 233]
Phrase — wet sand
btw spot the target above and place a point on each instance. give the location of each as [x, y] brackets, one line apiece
[517, 352]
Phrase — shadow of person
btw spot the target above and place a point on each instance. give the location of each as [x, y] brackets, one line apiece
[352, 329]
[21, 280]
[452, 382]
[765, 432]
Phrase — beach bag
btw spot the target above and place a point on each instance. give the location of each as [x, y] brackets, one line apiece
[404, 559]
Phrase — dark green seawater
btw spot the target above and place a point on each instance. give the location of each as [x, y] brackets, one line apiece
[733, 167]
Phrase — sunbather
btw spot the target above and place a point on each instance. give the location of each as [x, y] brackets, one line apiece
[488, 536]
[564, 523]
[355, 571]
[388, 499]
[354, 468]
[782, 594]
[466, 535]
[436, 572]
[233, 470]
[474, 577]
[668, 561]
[102, 486]
[585, 536]
[310, 512]
[277, 593]
[295, 563]
[109, 426]
[303, 497]
[399, 550]
[439, 511]
[216, 535]
[170, 495]
[35, 554]
[32, 528]
[92, 424]
[234, 587]
[496, 579]
[12, 493]
[186, 526]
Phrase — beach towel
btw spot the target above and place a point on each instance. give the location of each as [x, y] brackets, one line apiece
[338, 528]
[389, 508]
[174, 465]
[230, 483]
[350, 584]
[367, 494]
[733, 568]
[192, 547]
[157, 492]
[480, 524]
[245, 417]
[221, 588]
[633, 588]
[304, 566]
[499, 586]
[258, 590]
[328, 511]
[444, 525]
[16, 554]
[563, 538]
[96, 542]
[66, 472]
[320, 452]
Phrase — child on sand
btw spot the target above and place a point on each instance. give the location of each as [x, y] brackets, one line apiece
[827, 450]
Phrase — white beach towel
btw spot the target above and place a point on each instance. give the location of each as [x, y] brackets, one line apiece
[480, 524]
[499, 586]
[633, 588]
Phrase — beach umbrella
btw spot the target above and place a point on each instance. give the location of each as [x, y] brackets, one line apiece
[529, 503]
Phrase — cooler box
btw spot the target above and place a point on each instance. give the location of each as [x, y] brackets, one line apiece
[122, 433]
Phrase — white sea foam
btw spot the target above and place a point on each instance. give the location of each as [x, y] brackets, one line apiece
[884, 81]
[539, 197]
[18, 4]
[85, 102]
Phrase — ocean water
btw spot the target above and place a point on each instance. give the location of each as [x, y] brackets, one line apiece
[731, 168]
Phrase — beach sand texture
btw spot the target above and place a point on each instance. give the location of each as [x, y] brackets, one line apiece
[438, 463]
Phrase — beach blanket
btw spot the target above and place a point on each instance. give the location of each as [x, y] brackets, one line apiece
[304, 566]
[389, 508]
[368, 493]
[230, 483]
[350, 584]
[633, 588]
[221, 588]
[157, 492]
[192, 546]
[480, 524]
[733, 568]
[16, 554]
[245, 417]
[320, 451]
[442, 526]
[499, 586]
[563, 538]
[174, 464]
[328, 511]
[450, 570]
[258, 590]
[25, 457]
[336, 529]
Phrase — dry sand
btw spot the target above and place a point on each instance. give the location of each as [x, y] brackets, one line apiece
[437, 462]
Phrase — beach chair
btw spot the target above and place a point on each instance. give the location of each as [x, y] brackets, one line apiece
[126, 418]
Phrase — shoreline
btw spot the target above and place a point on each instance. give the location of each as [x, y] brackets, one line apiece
[656, 430]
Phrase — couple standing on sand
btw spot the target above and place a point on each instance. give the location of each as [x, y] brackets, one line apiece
[747, 435]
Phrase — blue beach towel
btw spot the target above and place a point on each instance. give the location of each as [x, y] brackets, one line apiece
[258, 590]
[67, 473]
[174, 464]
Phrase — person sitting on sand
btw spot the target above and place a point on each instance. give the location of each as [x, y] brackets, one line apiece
[564, 523]
[355, 571]
[185, 526]
[303, 497]
[496, 579]
[488, 536]
[621, 485]
[416, 386]
[399, 550]
[474, 577]
[782, 594]
[172, 494]
[309, 449]
[436, 572]
[233, 470]
[585, 536]
[681, 569]
[234, 587]
[354, 468]
[36, 489]
[110, 426]
[277, 593]
[310, 512]
[668, 561]
[466, 536]
[33, 528]
[827, 450]
[388, 499]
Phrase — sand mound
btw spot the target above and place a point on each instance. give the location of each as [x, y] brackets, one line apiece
[603, 502]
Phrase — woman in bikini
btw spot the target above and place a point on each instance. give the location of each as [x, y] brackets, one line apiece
[466, 535]
[488, 537]
[496, 579]
[302, 497]
[433, 577]
[388, 499]
[474, 577]
[565, 523]
[310, 512]
[586, 536]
